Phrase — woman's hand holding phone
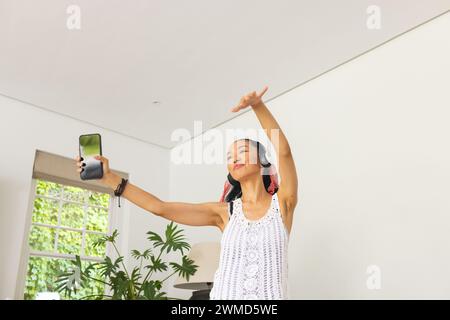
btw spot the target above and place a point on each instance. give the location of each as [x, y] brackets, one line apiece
[109, 178]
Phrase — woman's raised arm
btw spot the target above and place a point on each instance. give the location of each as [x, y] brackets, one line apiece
[289, 183]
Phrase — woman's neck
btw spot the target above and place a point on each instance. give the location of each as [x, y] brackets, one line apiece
[253, 189]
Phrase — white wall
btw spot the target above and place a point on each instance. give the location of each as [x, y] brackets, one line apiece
[370, 140]
[24, 128]
[370, 143]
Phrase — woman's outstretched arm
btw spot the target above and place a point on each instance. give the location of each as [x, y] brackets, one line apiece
[289, 183]
[194, 214]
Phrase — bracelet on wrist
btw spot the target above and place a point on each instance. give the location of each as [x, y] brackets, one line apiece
[120, 188]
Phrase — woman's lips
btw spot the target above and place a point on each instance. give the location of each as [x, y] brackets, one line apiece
[238, 165]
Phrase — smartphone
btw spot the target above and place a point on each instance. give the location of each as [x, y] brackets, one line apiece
[90, 145]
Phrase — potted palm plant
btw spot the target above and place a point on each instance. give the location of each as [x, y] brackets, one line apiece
[137, 284]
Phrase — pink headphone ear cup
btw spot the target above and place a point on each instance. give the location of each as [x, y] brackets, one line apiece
[226, 188]
[272, 184]
[273, 179]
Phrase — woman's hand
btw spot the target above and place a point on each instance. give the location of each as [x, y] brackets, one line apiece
[251, 99]
[109, 178]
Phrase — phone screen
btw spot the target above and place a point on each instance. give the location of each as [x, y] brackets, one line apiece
[90, 146]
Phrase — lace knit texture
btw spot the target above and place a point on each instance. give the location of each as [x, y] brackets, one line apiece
[253, 260]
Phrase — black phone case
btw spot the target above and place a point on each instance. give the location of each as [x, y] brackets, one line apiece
[93, 170]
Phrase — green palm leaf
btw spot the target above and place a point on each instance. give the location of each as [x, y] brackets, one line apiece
[186, 269]
[156, 264]
[155, 238]
[137, 254]
[174, 239]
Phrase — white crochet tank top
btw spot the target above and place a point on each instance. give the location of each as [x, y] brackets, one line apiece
[253, 260]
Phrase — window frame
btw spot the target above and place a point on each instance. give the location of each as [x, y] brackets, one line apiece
[27, 252]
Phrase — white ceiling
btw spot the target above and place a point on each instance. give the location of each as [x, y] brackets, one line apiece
[196, 57]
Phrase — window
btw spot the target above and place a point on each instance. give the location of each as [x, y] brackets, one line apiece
[66, 221]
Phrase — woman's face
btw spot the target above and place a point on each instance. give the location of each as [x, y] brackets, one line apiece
[242, 160]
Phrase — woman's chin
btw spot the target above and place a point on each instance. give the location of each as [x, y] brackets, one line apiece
[237, 176]
[241, 176]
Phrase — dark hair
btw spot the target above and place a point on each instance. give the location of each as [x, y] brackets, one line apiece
[236, 191]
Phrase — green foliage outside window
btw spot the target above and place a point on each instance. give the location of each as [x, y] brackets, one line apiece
[56, 207]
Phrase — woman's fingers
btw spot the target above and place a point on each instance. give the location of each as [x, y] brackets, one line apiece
[79, 163]
[237, 108]
[249, 99]
[101, 158]
[105, 163]
[263, 91]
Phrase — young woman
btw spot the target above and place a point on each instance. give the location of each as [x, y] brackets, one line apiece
[255, 212]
